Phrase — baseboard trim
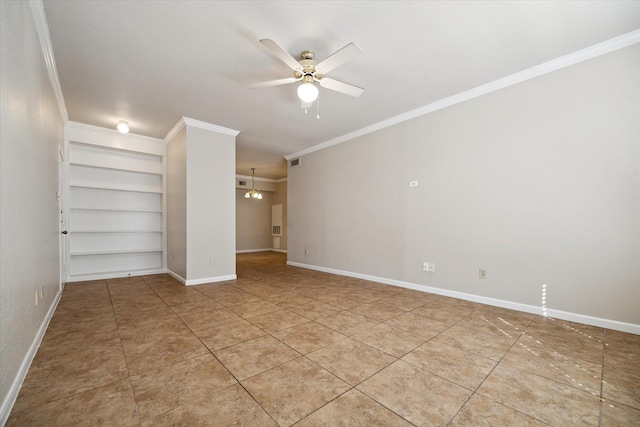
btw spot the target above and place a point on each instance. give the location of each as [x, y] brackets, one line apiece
[556, 314]
[249, 251]
[201, 281]
[114, 275]
[12, 395]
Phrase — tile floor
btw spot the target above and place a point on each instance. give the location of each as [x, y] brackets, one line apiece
[284, 346]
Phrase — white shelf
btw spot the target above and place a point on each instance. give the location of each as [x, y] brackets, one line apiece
[116, 210]
[115, 231]
[132, 251]
[113, 168]
[111, 187]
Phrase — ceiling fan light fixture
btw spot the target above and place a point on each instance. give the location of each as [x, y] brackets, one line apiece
[123, 127]
[307, 92]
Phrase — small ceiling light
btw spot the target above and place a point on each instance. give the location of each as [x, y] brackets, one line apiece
[123, 127]
[307, 91]
[253, 193]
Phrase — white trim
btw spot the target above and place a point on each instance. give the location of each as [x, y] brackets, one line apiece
[249, 251]
[201, 281]
[282, 251]
[184, 121]
[519, 77]
[248, 177]
[211, 280]
[114, 275]
[42, 28]
[174, 130]
[111, 138]
[12, 394]
[557, 314]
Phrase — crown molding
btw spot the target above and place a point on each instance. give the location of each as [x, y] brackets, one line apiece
[519, 77]
[42, 28]
[275, 181]
[184, 121]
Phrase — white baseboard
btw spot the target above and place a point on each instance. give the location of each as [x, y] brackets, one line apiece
[115, 275]
[249, 251]
[556, 314]
[201, 281]
[12, 395]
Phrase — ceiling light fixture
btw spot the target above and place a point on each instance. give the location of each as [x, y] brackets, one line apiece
[307, 91]
[123, 127]
[253, 193]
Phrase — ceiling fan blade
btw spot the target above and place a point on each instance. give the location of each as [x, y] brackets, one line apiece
[341, 87]
[338, 58]
[274, 83]
[282, 54]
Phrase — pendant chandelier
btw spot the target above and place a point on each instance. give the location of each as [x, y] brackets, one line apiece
[253, 193]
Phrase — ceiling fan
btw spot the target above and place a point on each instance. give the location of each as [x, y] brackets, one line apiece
[308, 71]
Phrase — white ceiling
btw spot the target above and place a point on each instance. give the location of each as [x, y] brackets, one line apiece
[152, 62]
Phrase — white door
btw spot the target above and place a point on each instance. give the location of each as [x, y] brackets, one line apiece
[63, 227]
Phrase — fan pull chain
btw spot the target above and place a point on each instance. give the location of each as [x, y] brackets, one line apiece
[318, 105]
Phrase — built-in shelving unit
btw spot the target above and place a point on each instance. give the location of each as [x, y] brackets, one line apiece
[116, 213]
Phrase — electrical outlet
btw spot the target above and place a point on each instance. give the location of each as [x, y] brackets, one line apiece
[413, 183]
[482, 273]
[37, 298]
[306, 251]
[429, 266]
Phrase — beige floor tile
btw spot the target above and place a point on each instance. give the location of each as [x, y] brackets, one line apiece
[445, 313]
[112, 404]
[161, 390]
[251, 309]
[353, 409]
[237, 299]
[315, 310]
[252, 357]
[228, 334]
[568, 345]
[419, 325]
[53, 376]
[378, 310]
[621, 381]
[277, 320]
[231, 406]
[346, 322]
[418, 396]
[394, 341]
[205, 319]
[205, 304]
[574, 372]
[615, 414]
[458, 366]
[308, 337]
[482, 412]
[294, 390]
[351, 360]
[540, 398]
[486, 344]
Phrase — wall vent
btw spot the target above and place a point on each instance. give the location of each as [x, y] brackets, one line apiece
[242, 183]
[276, 230]
[294, 162]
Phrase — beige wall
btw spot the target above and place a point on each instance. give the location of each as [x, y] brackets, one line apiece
[201, 205]
[31, 131]
[538, 183]
[253, 222]
[280, 198]
[211, 239]
[176, 193]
